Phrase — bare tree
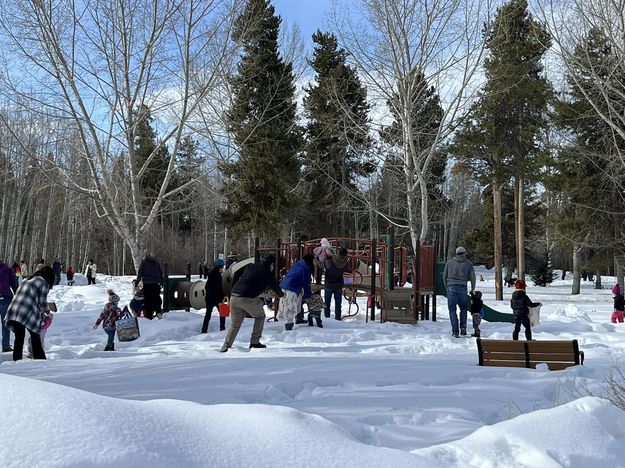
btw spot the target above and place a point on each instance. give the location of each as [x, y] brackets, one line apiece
[396, 43]
[88, 66]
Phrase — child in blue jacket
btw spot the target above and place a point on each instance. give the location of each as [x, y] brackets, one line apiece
[296, 285]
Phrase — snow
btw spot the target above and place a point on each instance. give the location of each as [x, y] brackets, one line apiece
[351, 393]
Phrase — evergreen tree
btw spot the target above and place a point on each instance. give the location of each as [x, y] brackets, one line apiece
[337, 135]
[259, 185]
[188, 167]
[541, 271]
[501, 136]
[146, 146]
[588, 195]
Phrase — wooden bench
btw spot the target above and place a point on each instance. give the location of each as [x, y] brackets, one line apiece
[557, 355]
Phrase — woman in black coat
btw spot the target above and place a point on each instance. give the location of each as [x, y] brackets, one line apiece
[214, 294]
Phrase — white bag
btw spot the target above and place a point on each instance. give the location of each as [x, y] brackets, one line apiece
[535, 316]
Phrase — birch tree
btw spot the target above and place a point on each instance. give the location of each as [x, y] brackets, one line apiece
[402, 49]
[92, 65]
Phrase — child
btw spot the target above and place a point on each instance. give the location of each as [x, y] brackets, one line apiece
[323, 252]
[619, 305]
[47, 321]
[70, 275]
[137, 303]
[476, 312]
[315, 306]
[108, 317]
[520, 304]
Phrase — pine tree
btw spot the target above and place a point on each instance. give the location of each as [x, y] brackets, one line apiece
[259, 185]
[541, 272]
[588, 195]
[146, 146]
[501, 137]
[337, 134]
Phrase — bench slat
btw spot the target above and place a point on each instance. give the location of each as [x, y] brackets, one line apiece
[504, 346]
[541, 347]
[505, 363]
[504, 356]
[549, 357]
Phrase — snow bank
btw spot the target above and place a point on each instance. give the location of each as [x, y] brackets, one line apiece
[50, 425]
[587, 432]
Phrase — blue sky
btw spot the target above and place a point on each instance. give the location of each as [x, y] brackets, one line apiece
[308, 14]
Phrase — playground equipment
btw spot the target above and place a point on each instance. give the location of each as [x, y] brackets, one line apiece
[377, 266]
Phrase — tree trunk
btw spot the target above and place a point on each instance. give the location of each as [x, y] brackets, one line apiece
[577, 270]
[598, 284]
[520, 226]
[618, 268]
[498, 242]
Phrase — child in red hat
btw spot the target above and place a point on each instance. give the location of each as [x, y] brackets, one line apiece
[521, 304]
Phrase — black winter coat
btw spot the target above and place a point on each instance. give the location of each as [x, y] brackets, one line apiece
[150, 271]
[521, 303]
[334, 274]
[255, 280]
[476, 304]
[619, 302]
[213, 288]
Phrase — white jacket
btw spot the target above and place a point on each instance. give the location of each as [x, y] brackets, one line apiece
[93, 269]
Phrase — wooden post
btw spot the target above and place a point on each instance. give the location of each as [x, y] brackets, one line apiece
[188, 309]
[166, 288]
[417, 279]
[391, 260]
[256, 252]
[374, 255]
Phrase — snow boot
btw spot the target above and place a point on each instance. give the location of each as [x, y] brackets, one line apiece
[319, 323]
[310, 320]
[258, 345]
[288, 326]
[476, 334]
[463, 331]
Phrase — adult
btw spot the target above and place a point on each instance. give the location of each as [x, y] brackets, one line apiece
[458, 271]
[245, 299]
[28, 310]
[24, 269]
[8, 286]
[90, 272]
[232, 258]
[56, 267]
[296, 286]
[152, 276]
[336, 267]
[214, 294]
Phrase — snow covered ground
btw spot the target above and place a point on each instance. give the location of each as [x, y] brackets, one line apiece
[352, 393]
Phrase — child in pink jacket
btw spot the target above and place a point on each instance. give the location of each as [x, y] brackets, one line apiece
[619, 305]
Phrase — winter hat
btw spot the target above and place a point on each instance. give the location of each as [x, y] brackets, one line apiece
[477, 294]
[343, 252]
[218, 262]
[114, 298]
[269, 260]
[520, 284]
[325, 243]
[460, 251]
[616, 289]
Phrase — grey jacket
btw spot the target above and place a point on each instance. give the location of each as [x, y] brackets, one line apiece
[459, 270]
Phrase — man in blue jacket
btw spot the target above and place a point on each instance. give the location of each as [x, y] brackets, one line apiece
[296, 284]
[245, 299]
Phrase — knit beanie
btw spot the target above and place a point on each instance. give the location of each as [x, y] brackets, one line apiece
[616, 289]
[114, 298]
[520, 284]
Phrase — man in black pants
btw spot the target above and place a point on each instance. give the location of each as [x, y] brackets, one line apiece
[152, 276]
[214, 294]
